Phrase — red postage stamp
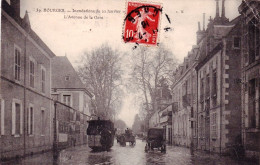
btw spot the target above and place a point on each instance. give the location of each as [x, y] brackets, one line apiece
[142, 23]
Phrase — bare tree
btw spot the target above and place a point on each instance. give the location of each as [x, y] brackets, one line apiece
[149, 67]
[101, 70]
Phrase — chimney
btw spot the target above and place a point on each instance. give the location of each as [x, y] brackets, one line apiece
[223, 9]
[217, 8]
[203, 21]
[15, 4]
[201, 34]
[199, 27]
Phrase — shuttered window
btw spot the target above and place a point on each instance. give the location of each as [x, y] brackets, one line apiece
[32, 73]
[17, 64]
[43, 122]
[43, 80]
[17, 117]
[31, 120]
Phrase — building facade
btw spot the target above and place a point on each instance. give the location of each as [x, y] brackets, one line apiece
[74, 104]
[25, 86]
[184, 92]
[219, 89]
[250, 77]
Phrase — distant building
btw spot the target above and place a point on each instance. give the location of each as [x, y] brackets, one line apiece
[163, 119]
[162, 116]
[184, 91]
[250, 79]
[67, 88]
[25, 117]
[219, 89]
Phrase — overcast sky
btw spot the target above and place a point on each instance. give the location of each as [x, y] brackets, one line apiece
[74, 36]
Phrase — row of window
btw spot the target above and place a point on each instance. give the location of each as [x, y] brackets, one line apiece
[32, 70]
[210, 85]
[17, 118]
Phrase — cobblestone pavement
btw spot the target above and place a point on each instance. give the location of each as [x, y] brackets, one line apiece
[129, 155]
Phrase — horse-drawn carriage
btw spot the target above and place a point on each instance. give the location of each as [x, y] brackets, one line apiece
[126, 137]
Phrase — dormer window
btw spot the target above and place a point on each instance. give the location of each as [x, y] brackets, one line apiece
[67, 78]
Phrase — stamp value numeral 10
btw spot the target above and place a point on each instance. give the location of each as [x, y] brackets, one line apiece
[129, 33]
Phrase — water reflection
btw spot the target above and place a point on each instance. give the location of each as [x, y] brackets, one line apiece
[127, 155]
[99, 157]
[155, 157]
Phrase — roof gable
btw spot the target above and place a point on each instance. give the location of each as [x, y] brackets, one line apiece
[64, 75]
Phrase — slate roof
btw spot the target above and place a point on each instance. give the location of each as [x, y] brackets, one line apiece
[61, 67]
[218, 32]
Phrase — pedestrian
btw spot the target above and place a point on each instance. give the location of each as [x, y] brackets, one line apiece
[191, 148]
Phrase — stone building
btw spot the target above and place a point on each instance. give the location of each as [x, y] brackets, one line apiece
[218, 70]
[250, 78]
[25, 86]
[74, 102]
[184, 91]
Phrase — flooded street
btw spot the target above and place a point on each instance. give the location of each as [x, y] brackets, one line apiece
[129, 155]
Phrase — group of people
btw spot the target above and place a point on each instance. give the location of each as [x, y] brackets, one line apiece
[128, 132]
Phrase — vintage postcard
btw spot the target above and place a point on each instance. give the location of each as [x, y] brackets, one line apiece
[120, 82]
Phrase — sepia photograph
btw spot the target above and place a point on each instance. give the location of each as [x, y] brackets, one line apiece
[130, 82]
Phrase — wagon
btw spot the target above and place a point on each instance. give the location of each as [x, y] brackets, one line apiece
[123, 138]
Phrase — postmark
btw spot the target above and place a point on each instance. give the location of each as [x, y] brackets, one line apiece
[142, 23]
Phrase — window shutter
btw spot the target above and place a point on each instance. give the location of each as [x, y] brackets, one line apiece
[32, 122]
[21, 120]
[13, 118]
[2, 117]
[29, 120]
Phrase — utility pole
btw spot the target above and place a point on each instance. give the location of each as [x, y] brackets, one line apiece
[55, 146]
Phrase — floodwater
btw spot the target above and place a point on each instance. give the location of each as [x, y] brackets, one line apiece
[128, 155]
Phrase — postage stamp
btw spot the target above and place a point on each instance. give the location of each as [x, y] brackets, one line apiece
[142, 23]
